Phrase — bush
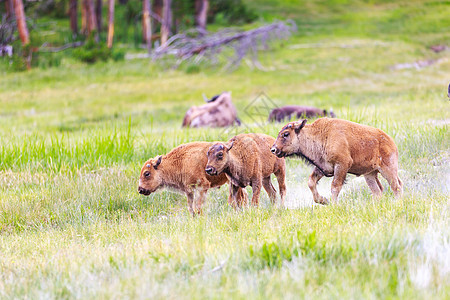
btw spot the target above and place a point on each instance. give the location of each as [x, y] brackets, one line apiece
[23, 54]
[192, 69]
[18, 63]
[92, 52]
[47, 60]
[118, 54]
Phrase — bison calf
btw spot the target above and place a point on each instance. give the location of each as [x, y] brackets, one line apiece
[246, 160]
[337, 147]
[183, 169]
[285, 113]
[217, 112]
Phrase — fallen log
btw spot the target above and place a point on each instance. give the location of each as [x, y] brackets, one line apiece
[45, 48]
[197, 46]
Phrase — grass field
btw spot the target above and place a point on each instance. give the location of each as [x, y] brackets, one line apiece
[73, 139]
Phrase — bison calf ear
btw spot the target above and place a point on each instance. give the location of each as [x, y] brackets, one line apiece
[229, 146]
[299, 125]
[156, 164]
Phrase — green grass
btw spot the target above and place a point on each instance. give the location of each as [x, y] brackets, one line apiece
[73, 139]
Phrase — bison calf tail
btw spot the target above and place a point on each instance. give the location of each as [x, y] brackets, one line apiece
[400, 187]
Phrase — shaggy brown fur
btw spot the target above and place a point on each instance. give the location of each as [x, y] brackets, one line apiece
[246, 160]
[337, 147]
[183, 169]
[219, 112]
[285, 113]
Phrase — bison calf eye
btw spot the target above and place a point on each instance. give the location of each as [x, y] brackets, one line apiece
[286, 134]
[147, 174]
[220, 156]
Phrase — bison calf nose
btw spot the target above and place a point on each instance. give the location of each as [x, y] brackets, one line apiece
[141, 190]
[209, 170]
[274, 150]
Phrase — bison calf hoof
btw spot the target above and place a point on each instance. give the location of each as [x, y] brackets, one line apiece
[322, 200]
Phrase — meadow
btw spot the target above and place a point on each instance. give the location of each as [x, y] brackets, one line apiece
[73, 140]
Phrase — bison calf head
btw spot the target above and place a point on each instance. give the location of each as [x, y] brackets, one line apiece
[150, 179]
[284, 144]
[218, 158]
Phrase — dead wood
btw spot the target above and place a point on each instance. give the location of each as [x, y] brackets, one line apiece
[45, 48]
[197, 46]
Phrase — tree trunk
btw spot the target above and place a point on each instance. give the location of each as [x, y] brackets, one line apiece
[21, 22]
[110, 23]
[201, 13]
[91, 19]
[98, 13]
[73, 13]
[157, 7]
[157, 10]
[146, 24]
[84, 17]
[9, 7]
[23, 30]
[167, 20]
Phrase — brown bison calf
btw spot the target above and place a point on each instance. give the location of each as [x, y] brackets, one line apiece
[183, 169]
[337, 147]
[246, 160]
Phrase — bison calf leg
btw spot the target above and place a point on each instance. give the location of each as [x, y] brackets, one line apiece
[312, 184]
[234, 196]
[198, 201]
[281, 178]
[241, 197]
[390, 173]
[190, 199]
[379, 184]
[340, 173]
[256, 188]
[374, 184]
[268, 186]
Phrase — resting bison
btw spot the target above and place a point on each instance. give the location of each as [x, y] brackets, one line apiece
[183, 169]
[218, 112]
[286, 113]
[246, 160]
[337, 147]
